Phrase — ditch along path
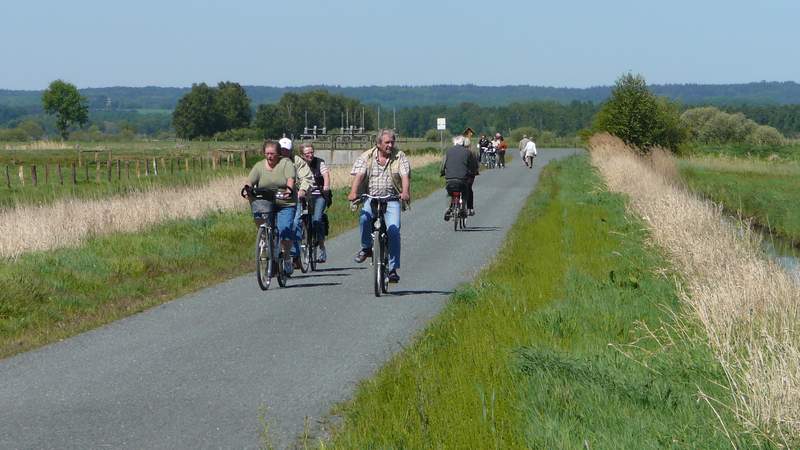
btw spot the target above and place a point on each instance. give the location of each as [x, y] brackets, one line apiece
[200, 371]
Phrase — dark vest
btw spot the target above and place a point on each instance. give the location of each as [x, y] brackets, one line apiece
[314, 165]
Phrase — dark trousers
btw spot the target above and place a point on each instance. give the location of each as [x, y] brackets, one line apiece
[501, 158]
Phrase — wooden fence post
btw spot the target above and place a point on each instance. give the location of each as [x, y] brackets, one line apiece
[128, 169]
[34, 178]
[60, 174]
[8, 178]
[108, 169]
[244, 159]
[155, 167]
[22, 175]
[138, 170]
[119, 169]
[46, 173]
[96, 169]
[146, 168]
[74, 174]
[186, 165]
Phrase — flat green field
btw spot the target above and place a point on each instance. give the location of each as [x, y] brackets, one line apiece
[573, 338]
[767, 192]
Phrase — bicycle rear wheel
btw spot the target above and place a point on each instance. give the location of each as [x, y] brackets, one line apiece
[281, 273]
[263, 258]
[312, 251]
[385, 264]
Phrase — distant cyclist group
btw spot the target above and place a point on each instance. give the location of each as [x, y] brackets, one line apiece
[290, 193]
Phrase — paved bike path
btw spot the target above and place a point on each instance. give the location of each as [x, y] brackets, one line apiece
[195, 372]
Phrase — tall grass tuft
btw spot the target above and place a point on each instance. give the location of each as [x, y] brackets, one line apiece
[749, 307]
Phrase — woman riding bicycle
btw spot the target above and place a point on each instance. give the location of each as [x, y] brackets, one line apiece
[320, 194]
[279, 174]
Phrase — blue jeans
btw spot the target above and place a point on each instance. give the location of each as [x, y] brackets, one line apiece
[316, 222]
[283, 217]
[392, 218]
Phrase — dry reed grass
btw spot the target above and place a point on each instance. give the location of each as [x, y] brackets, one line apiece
[749, 306]
[39, 145]
[69, 222]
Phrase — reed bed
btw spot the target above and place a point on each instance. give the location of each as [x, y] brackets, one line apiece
[748, 306]
[69, 222]
[39, 145]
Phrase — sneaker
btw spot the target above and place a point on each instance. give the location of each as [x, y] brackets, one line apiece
[447, 215]
[322, 256]
[362, 255]
[393, 277]
[471, 212]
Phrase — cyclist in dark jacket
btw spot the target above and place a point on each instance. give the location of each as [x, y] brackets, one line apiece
[459, 168]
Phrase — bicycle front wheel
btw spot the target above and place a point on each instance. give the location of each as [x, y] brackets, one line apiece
[377, 263]
[263, 258]
[305, 245]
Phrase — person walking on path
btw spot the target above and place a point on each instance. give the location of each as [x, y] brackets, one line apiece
[500, 147]
[382, 171]
[529, 153]
[521, 147]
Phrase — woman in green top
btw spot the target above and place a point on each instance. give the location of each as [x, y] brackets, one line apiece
[279, 174]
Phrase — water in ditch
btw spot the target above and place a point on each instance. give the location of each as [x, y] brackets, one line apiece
[784, 253]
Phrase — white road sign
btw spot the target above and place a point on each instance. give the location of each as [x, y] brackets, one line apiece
[441, 123]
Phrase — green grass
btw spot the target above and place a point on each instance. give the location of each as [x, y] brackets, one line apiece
[790, 151]
[47, 296]
[535, 354]
[770, 198]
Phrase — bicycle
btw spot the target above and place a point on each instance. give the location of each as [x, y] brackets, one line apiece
[490, 158]
[380, 241]
[269, 257]
[309, 242]
[458, 207]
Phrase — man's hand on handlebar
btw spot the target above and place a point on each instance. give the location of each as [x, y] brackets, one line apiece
[352, 196]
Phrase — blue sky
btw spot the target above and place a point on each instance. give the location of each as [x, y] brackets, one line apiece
[565, 43]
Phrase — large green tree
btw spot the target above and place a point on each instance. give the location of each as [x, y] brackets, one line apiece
[638, 117]
[233, 105]
[63, 100]
[205, 111]
[197, 114]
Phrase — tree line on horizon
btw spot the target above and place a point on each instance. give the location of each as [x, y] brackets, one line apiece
[226, 112]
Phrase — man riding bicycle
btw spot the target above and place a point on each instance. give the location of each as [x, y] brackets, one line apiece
[382, 171]
[459, 169]
[483, 144]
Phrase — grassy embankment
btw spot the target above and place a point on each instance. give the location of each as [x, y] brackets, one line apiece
[49, 295]
[747, 305]
[766, 191]
[568, 340]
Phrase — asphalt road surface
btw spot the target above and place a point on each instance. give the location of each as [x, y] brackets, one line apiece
[195, 372]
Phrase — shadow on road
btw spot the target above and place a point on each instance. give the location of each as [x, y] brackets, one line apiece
[469, 229]
[319, 275]
[421, 292]
[306, 285]
[339, 269]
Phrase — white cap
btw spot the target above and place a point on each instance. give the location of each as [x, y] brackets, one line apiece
[285, 143]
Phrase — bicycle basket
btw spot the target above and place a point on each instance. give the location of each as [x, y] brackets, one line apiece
[261, 209]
